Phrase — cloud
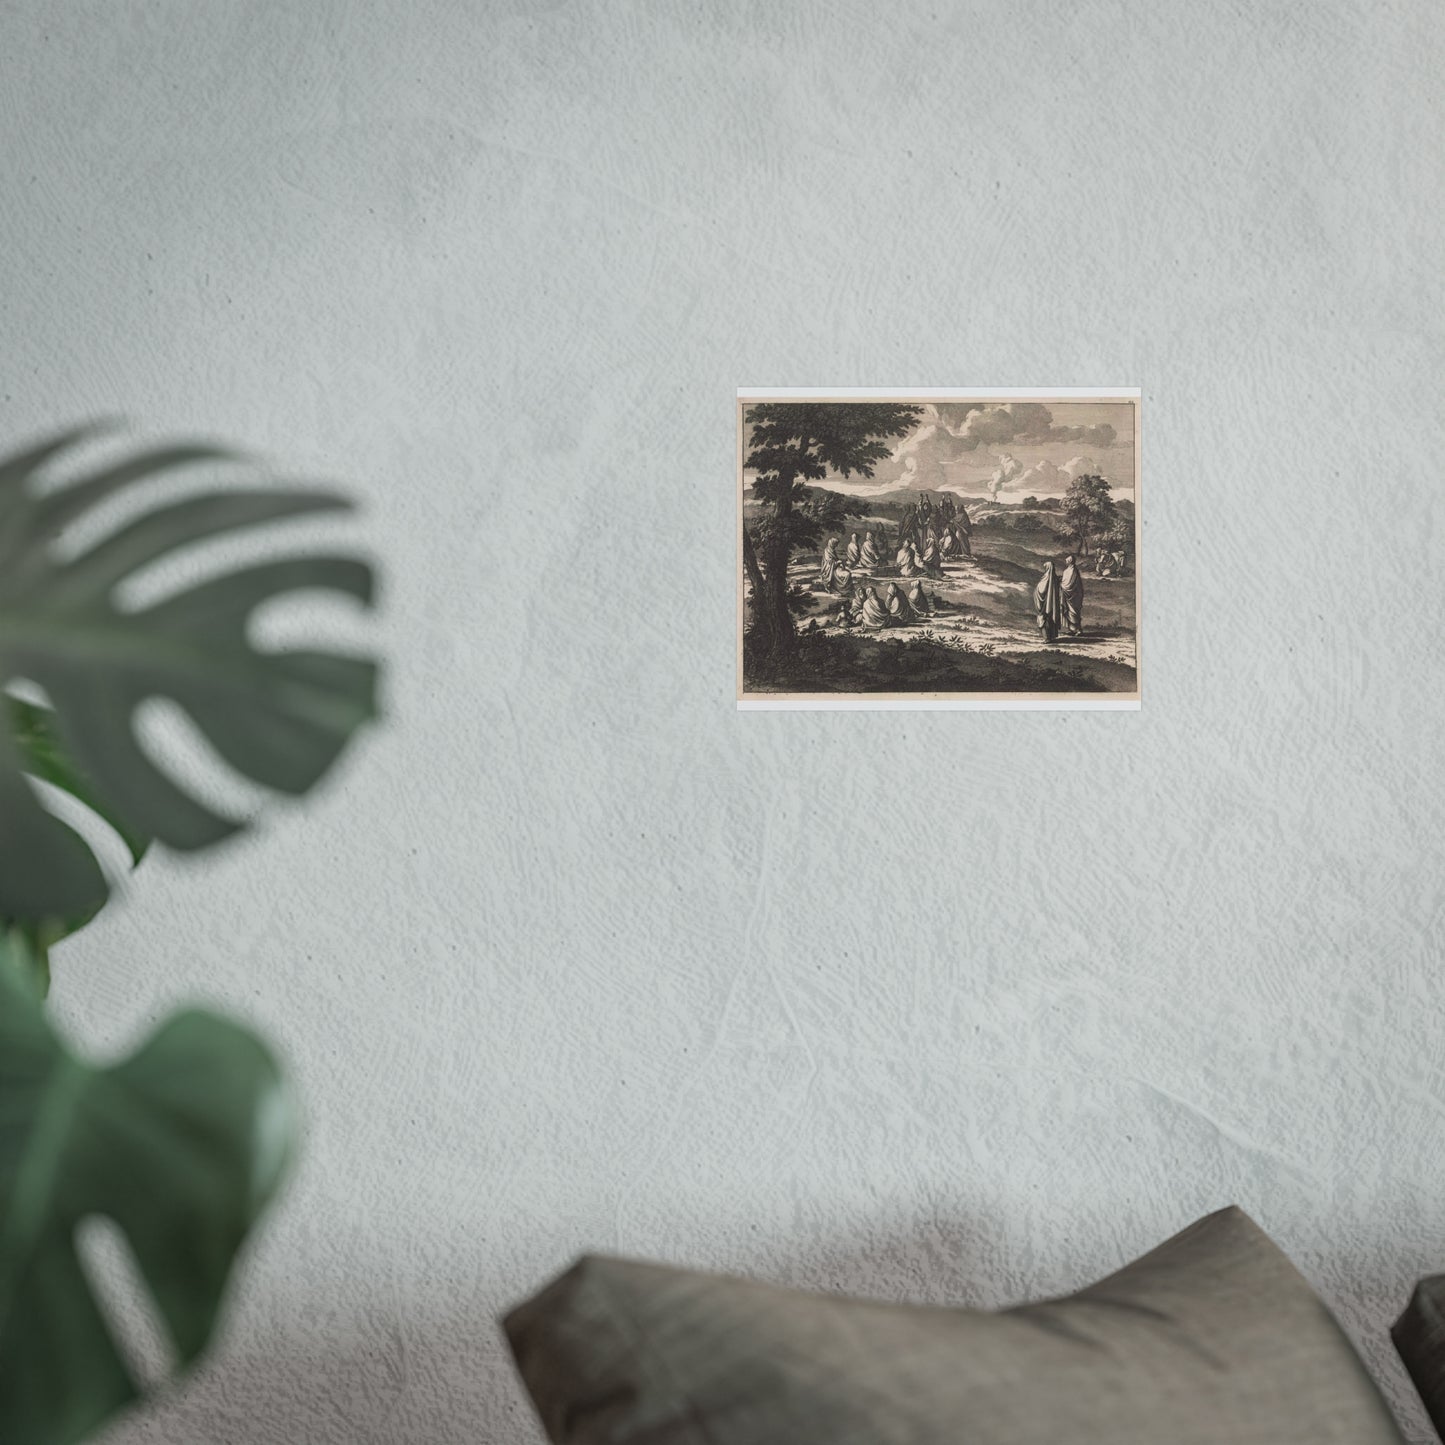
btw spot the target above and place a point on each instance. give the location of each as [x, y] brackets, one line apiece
[968, 425]
[925, 453]
[1079, 466]
[1043, 479]
[956, 441]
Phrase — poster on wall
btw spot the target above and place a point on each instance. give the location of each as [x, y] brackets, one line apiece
[938, 549]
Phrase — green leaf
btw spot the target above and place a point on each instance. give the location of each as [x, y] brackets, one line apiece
[39, 741]
[280, 718]
[182, 1145]
[34, 731]
[26, 957]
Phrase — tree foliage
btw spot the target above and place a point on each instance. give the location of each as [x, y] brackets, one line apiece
[831, 509]
[1088, 508]
[806, 440]
[790, 445]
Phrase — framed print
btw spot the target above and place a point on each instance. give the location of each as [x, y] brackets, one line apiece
[966, 549]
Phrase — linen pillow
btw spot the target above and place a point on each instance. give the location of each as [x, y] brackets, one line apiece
[1419, 1336]
[1213, 1337]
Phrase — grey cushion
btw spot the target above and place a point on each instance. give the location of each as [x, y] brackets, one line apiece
[1212, 1337]
[1419, 1336]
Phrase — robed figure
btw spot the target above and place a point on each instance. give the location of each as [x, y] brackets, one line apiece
[868, 557]
[854, 553]
[831, 572]
[1071, 585]
[963, 530]
[873, 613]
[900, 610]
[1049, 602]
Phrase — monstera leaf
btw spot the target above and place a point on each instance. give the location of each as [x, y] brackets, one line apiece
[280, 718]
[33, 729]
[181, 1144]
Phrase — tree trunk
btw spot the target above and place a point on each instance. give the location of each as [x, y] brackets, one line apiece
[763, 631]
[780, 619]
[769, 573]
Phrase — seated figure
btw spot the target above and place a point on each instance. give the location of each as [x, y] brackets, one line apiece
[900, 610]
[873, 613]
[828, 563]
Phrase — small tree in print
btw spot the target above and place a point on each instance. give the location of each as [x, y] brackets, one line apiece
[1089, 509]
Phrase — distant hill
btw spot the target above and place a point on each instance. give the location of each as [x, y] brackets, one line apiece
[980, 508]
[906, 496]
[893, 501]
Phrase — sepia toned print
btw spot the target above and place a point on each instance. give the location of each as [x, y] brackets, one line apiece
[938, 548]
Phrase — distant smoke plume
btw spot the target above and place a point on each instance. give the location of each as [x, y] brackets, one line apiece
[1004, 474]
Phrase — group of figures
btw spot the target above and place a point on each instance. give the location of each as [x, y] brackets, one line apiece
[927, 537]
[944, 522]
[1059, 600]
[921, 549]
[863, 607]
[837, 574]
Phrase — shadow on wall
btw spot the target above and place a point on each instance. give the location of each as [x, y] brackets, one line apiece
[384, 1364]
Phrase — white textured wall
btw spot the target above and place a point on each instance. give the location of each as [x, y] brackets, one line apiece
[571, 956]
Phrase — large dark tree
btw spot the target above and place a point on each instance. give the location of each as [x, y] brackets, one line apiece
[1089, 509]
[789, 445]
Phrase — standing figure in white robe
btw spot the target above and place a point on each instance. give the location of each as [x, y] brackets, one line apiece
[1049, 602]
[1071, 585]
[962, 531]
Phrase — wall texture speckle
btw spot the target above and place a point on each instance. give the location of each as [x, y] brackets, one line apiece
[954, 1007]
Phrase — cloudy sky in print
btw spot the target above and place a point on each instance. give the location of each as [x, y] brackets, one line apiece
[1009, 450]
